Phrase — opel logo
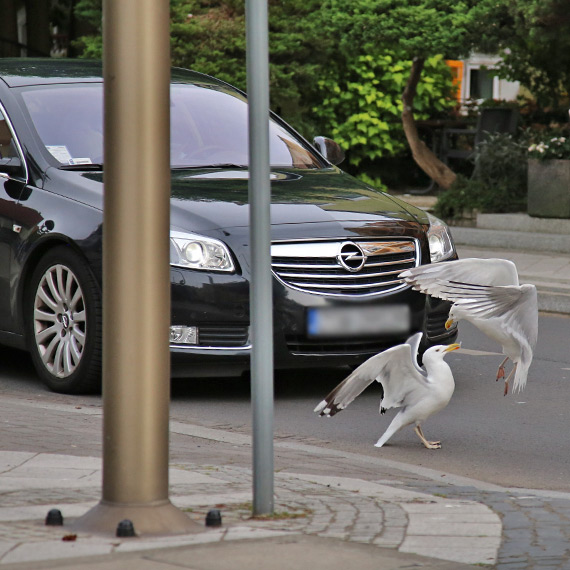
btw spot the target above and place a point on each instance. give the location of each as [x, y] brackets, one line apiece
[351, 257]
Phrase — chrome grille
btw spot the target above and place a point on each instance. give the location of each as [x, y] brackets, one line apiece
[349, 268]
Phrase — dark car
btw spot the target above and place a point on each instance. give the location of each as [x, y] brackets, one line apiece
[338, 245]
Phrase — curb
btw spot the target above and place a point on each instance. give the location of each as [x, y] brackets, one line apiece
[508, 239]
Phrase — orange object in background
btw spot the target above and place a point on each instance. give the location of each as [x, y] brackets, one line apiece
[456, 67]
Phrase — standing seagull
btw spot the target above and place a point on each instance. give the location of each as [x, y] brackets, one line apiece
[486, 292]
[405, 385]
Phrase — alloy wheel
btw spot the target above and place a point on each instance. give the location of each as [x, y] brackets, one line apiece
[60, 321]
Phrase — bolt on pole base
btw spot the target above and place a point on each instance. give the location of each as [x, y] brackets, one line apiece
[148, 519]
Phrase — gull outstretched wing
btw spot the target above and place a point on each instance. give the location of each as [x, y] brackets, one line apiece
[512, 308]
[431, 279]
[393, 368]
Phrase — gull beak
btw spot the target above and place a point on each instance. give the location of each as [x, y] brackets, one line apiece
[452, 347]
[449, 323]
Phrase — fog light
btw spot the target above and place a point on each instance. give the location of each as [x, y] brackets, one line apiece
[183, 335]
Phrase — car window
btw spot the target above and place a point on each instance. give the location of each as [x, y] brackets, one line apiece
[69, 121]
[7, 143]
[209, 126]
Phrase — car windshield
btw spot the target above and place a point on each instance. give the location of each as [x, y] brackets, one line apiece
[209, 127]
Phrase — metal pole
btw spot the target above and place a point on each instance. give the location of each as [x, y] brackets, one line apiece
[136, 276]
[261, 303]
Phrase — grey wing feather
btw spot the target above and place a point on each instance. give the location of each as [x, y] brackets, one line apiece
[517, 306]
[392, 368]
[431, 279]
[414, 342]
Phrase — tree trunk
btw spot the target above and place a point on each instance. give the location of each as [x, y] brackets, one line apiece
[9, 29]
[37, 23]
[424, 157]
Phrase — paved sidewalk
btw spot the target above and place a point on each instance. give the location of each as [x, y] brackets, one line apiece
[392, 523]
[369, 518]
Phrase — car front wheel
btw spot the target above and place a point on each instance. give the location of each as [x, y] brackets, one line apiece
[63, 323]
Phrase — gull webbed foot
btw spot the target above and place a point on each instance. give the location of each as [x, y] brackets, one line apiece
[428, 444]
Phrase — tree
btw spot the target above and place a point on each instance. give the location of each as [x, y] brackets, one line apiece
[420, 29]
[538, 53]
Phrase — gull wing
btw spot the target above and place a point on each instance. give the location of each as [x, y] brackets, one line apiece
[414, 342]
[431, 279]
[393, 368]
[515, 306]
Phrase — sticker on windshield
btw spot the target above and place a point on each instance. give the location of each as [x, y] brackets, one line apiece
[60, 152]
[80, 161]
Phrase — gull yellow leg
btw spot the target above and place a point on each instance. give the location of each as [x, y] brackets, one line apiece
[428, 444]
[501, 369]
[507, 379]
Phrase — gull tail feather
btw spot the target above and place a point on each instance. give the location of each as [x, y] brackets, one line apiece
[521, 375]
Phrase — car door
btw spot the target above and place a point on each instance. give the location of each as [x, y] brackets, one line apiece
[12, 182]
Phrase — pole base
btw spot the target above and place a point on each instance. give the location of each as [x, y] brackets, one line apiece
[159, 518]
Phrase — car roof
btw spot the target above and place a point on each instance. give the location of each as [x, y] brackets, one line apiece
[20, 72]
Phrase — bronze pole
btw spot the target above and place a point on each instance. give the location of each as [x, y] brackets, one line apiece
[136, 275]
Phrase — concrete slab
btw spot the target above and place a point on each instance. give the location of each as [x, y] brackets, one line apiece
[507, 240]
[113, 563]
[39, 512]
[366, 488]
[11, 459]
[33, 551]
[521, 222]
[138, 545]
[448, 507]
[466, 550]
[61, 474]
[294, 553]
[429, 527]
[216, 497]
[5, 547]
[59, 461]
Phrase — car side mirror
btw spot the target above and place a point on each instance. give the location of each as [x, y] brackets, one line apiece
[329, 149]
[10, 166]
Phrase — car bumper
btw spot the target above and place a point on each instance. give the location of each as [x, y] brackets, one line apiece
[218, 305]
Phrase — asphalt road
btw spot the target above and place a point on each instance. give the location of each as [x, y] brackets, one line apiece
[518, 441]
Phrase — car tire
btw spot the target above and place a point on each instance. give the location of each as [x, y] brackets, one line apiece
[63, 318]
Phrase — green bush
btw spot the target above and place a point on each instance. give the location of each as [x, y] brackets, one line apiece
[498, 183]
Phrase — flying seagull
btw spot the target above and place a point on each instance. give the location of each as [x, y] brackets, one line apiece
[405, 385]
[486, 292]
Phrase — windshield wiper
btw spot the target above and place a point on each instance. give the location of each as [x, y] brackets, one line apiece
[209, 166]
[85, 167]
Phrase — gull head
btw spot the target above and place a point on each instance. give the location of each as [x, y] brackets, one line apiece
[441, 350]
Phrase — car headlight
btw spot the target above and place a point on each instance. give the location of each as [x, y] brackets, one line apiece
[440, 242]
[198, 252]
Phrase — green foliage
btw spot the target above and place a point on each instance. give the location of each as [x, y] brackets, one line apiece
[538, 53]
[91, 11]
[420, 28]
[210, 37]
[499, 183]
[361, 106]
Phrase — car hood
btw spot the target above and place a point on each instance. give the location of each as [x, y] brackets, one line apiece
[217, 199]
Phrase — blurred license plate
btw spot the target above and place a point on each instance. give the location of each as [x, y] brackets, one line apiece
[358, 321]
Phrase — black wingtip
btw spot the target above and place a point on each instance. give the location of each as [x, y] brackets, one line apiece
[332, 410]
